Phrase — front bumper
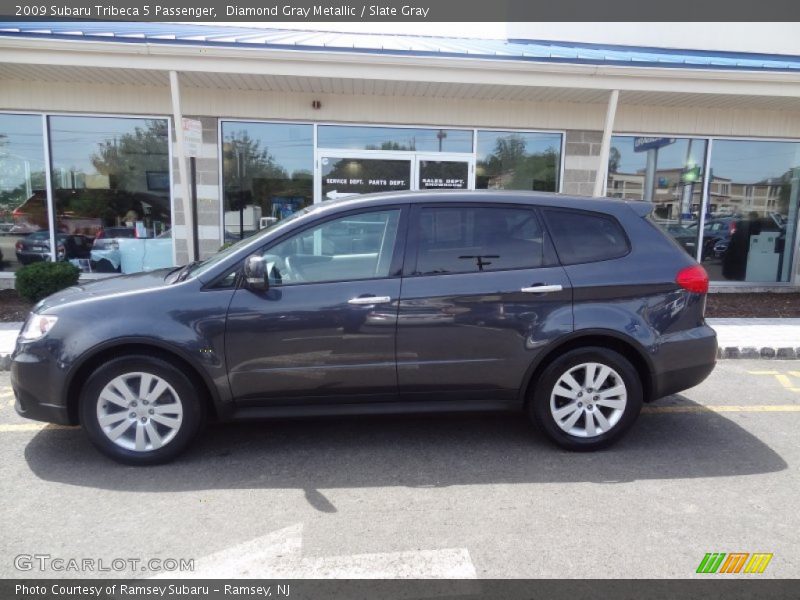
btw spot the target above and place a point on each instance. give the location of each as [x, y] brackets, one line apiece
[39, 385]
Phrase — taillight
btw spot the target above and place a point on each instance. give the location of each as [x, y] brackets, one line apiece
[18, 246]
[693, 279]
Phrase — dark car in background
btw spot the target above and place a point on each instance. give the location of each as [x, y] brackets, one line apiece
[714, 231]
[35, 247]
[574, 311]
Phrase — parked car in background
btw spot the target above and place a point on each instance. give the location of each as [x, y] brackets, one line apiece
[574, 311]
[35, 247]
[686, 237]
[120, 250]
[105, 256]
[714, 230]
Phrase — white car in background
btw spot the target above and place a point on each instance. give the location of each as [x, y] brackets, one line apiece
[131, 254]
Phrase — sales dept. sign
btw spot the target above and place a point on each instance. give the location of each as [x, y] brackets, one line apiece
[192, 137]
[642, 144]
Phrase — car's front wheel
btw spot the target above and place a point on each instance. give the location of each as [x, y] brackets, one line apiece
[587, 398]
[140, 410]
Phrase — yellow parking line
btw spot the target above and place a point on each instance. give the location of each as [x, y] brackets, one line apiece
[15, 427]
[782, 378]
[720, 408]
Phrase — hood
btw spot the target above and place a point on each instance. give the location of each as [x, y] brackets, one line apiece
[113, 286]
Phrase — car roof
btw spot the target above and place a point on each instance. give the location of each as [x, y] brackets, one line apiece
[549, 199]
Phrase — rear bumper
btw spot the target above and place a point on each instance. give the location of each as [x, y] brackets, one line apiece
[684, 360]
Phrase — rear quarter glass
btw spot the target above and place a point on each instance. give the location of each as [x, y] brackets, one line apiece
[584, 236]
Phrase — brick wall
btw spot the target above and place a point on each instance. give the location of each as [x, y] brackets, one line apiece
[581, 159]
[208, 196]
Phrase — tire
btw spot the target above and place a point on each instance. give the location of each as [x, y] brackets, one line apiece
[161, 423]
[611, 411]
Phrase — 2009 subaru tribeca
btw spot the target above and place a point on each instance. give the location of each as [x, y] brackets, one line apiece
[573, 310]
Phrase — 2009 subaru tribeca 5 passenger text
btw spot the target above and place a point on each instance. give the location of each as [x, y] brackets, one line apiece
[574, 310]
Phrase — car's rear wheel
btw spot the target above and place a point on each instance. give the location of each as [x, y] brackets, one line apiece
[140, 410]
[587, 398]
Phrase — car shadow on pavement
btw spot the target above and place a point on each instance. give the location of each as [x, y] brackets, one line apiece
[419, 451]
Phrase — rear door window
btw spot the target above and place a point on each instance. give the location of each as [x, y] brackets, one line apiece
[582, 237]
[471, 239]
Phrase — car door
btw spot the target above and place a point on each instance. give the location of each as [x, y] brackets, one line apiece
[482, 296]
[325, 328]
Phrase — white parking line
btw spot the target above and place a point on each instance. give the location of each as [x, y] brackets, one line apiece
[278, 555]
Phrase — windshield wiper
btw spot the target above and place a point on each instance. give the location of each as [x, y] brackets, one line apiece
[183, 272]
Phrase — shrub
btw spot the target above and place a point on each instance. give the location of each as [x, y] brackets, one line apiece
[38, 280]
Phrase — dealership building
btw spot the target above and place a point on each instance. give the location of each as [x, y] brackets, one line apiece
[94, 170]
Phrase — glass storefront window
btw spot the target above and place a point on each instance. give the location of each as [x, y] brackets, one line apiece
[23, 195]
[752, 210]
[111, 187]
[394, 138]
[267, 174]
[510, 160]
[667, 172]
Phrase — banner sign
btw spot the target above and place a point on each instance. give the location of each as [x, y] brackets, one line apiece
[642, 144]
[402, 10]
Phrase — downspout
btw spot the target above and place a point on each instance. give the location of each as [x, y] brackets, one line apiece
[605, 146]
[177, 117]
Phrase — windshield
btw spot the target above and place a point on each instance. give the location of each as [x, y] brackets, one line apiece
[203, 266]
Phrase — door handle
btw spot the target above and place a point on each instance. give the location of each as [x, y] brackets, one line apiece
[361, 300]
[542, 289]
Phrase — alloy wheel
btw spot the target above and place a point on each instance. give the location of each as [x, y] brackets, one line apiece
[588, 400]
[139, 411]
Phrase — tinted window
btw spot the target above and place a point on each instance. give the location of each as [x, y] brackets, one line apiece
[110, 172]
[266, 173]
[23, 200]
[582, 237]
[472, 239]
[354, 247]
[518, 160]
[753, 198]
[668, 172]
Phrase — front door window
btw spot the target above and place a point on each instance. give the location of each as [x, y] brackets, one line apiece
[358, 246]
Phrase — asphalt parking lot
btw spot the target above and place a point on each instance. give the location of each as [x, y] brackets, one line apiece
[715, 469]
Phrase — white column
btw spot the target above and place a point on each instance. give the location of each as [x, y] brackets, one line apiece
[183, 169]
[605, 147]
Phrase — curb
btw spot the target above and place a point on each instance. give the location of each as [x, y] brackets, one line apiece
[751, 352]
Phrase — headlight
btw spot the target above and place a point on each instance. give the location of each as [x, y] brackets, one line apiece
[36, 327]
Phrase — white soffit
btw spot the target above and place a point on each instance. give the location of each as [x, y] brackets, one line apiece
[378, 87]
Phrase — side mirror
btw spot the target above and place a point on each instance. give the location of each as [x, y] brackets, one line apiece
[255, 273]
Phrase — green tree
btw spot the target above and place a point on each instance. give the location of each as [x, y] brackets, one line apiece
[126, 161]
[614, 158]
